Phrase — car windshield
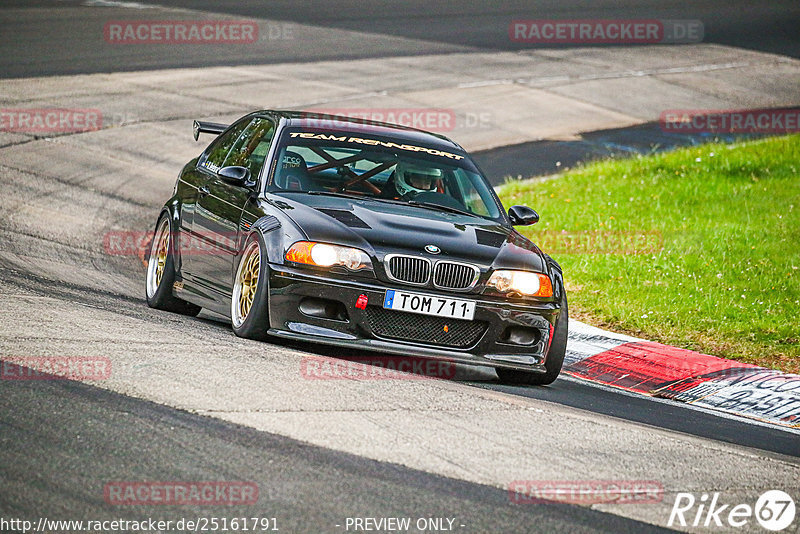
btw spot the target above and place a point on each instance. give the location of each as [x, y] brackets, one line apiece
[376, 167]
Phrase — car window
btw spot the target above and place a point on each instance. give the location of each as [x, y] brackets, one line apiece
[216, 153]
[251, 149]
[311, 158]
[476, 199]
[381, 169]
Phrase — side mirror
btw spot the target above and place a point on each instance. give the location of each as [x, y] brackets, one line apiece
[235, 175]
[522, 215]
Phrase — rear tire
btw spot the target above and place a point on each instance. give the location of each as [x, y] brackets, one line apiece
[555, 357]
[250, 294]
[160, 275]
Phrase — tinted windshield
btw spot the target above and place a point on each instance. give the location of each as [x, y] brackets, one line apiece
[371, 166]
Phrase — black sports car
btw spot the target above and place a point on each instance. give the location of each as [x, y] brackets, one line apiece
[359, 234]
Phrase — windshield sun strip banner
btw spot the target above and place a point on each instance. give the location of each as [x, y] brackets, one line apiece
[374, 142]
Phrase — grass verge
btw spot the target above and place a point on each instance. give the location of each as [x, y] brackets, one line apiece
[697, 248]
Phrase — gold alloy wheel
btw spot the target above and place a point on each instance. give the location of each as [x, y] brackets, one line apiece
[161, 256]
[244, 290]
[158, 258]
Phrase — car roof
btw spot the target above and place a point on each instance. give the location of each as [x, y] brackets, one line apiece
[341, 123]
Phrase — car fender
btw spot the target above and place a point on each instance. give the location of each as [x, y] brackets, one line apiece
[556, 276]
[268, 227]
[172, 210]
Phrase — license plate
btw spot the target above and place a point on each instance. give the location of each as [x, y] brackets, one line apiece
[429, 305]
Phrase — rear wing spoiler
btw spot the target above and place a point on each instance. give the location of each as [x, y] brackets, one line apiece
[207, 127]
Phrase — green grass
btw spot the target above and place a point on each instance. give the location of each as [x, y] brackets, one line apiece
[726, 281]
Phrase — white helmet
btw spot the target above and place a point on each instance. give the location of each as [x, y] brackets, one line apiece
[411, 178]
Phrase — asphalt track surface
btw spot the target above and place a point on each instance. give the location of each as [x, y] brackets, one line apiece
[473, 23]
[59, 440]
[57, 473]
[389, 28]
[59, 37]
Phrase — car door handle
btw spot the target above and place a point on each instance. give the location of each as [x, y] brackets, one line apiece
[203, 191]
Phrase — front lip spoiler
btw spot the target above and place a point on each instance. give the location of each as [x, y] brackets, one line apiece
[507, 361]
[513, 358]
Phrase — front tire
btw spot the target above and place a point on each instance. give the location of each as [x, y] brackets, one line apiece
[555, 357]
[160, 275]
[250, 295]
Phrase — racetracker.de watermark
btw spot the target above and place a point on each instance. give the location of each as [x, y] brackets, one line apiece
[430, 119]
[375, 368]
[55, 368]
[585, 492]
[752, 121]
[606, 31]
[50, 120]
[203, 493]
[600, 242]
[137, 243]
[131, 32]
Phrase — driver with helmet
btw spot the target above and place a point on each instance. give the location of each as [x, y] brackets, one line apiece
[411, 179]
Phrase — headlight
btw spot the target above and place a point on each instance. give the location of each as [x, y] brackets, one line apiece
[325, 255]
[522, 282]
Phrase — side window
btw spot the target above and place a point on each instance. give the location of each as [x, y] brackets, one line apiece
[218, 151]
[251, 149]
[476, 200]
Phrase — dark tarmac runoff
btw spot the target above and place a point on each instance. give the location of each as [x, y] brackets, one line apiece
[547, 157]
[63, 442]
[74, 29]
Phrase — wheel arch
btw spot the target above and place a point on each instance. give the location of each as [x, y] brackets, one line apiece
[172, 209]
[267, 226]
[557, 276]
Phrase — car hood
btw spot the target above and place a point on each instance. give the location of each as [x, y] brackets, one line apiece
[382, 228]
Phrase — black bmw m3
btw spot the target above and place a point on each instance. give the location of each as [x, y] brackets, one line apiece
[358, 234]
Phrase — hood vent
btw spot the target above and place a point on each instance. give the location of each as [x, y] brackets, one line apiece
[348, 218]
[489, 239]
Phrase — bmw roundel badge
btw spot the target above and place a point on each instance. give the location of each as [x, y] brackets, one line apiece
[433, 249]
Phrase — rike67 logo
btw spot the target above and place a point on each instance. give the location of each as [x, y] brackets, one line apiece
[774, 510]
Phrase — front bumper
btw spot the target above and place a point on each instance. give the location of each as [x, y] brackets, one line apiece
[356, 328]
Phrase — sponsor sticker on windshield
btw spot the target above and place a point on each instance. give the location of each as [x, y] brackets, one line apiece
[374, 142]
